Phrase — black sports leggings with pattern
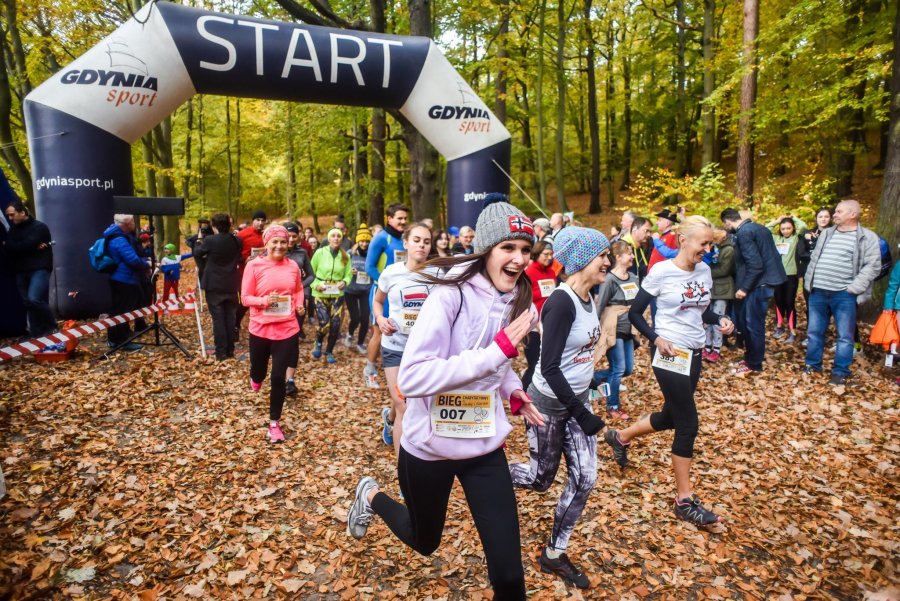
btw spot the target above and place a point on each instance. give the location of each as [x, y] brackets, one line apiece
[559, 436]
[485, 480]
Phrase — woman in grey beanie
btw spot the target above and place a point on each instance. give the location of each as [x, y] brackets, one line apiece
[456, 375]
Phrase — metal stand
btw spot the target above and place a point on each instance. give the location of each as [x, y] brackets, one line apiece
[156, 327]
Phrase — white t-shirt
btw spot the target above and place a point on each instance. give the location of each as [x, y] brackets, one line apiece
[681, 298]
[405, 297]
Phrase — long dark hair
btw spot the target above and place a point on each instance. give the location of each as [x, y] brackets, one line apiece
[477, 264]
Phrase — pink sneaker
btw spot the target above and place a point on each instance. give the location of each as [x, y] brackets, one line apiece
[713, 356]
[255, 386]
[275, 434]
[705, 355]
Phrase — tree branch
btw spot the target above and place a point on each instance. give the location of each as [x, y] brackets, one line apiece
[675, 22]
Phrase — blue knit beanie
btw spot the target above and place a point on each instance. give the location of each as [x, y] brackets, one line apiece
[575, 247]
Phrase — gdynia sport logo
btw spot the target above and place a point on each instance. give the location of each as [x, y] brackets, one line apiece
[472, 119]
[127, 77]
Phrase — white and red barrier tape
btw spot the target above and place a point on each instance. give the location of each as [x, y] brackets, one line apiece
[35, 345]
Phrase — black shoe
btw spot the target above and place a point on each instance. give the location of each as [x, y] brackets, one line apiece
[302, 335]
[837, 380]
[692, 510]
[564, 568]
[810, 370]
[290, 388]
[619, 450]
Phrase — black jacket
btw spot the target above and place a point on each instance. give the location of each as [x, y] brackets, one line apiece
[757, 262]
[22, 246]
[221, 254]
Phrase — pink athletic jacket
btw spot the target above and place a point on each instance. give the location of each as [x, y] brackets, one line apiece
[453, 348]
[261, 278]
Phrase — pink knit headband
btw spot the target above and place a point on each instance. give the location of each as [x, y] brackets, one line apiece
[274, 231]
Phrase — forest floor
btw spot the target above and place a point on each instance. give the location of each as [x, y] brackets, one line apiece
[148, 477]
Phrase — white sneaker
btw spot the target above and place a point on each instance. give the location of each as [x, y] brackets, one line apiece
[348, 341]
[360, 515]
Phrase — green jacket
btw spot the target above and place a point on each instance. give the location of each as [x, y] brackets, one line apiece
[723, 272]
[788, 259]
[330, 267]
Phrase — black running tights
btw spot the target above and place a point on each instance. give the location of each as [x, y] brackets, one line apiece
[358, 306]
[489, 493]
[284, 354]
[679, 411]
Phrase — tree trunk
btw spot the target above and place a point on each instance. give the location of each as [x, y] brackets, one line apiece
[561, 105]
[291, 162]
[884, 130]
[379, 148]
[423, 158]
[237, 148]
[18, 52]
[379, 133]
[681, 121]
[186, 181]
[312, 188]
[502, 55]
[889, 213]
[230, 180]
[593, 119]
[709, 83]
[626, 121]
[527, 141]
[7, 143]
[201, 167]
[162, 140]
[748, 99]
[542, 176]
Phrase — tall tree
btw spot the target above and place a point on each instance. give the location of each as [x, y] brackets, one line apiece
[709, 83]
[542, 177]
[423, 158]
[379, 133]
[745, 154]
[889, 213]
[593, 120]
[562, 22]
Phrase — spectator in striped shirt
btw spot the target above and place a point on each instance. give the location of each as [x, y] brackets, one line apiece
[841, 270]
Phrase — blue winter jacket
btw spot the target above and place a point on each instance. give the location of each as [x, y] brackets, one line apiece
[757, 261]
[123, 248]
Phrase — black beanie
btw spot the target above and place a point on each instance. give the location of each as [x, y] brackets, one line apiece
[259, 214]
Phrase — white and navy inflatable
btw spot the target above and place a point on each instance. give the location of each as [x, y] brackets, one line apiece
[82, 120]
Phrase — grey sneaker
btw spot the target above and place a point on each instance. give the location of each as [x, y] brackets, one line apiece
[619, 450]
[360, 513]
[778, 333]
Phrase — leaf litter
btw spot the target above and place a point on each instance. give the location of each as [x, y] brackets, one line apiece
[148, 477]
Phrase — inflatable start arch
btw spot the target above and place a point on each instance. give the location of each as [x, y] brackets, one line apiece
[82, 121]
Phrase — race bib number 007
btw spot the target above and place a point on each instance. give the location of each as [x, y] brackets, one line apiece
[463, 414]
[680, 363]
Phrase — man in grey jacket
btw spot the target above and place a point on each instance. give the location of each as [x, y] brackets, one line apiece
[841, 270]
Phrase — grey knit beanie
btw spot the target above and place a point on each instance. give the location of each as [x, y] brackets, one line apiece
[500, 221]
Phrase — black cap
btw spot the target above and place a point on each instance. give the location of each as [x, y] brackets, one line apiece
[292, 227]
[667, 214]
[259, 214]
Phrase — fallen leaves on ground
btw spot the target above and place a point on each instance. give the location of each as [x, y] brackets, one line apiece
[148, 477]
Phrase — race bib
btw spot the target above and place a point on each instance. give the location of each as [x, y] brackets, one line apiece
[407, 321]
[282, 307]
[546, 287]
[332, 289]
[630, 290]
[679, 364]
[363, 278]
[463, 414]
[783, 248]
[255, 252]
[399, 256]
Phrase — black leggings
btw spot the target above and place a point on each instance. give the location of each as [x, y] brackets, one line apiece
[532, 354]
[358, 306]
[284, 355]
[489, 493]
[786, 301]
[679, 410]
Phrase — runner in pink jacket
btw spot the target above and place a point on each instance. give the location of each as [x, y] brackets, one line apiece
[273, 290]
[456, 373]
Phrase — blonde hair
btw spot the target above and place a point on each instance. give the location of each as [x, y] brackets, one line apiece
[719, 235]
[691, 225]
